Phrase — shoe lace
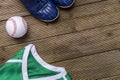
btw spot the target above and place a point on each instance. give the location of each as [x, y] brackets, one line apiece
[40, 3]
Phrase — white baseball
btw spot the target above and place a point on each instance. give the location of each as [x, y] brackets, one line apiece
[16, 27]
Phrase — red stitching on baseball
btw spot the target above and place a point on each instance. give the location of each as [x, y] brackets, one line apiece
[15, 27]
[24, 24]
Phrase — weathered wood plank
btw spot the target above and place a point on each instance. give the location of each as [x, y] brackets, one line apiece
[88, 10]
[117, 77]
[72, 45]
[85, 2]
[91, 16]
[10, 8]
[85, 22]
[61, 27]
[37, 30]
[97, 21]
[93, 67]
[107, 6]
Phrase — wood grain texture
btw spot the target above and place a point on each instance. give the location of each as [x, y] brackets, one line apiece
[10, 8]
[105, 6]
[90, 67]
[85, 39]
[73, 45]
[37, 30]
[86, 2]
[40, 30]
[93, 67]
[116, 77]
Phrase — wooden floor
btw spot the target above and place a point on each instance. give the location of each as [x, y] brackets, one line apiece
[85, 39]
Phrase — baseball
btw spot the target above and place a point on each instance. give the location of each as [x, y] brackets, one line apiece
[16, 26]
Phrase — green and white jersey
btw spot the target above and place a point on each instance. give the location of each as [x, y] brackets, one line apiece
[28, 65]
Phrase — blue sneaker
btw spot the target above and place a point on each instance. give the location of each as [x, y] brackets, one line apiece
[44, 10]
[64, 3]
